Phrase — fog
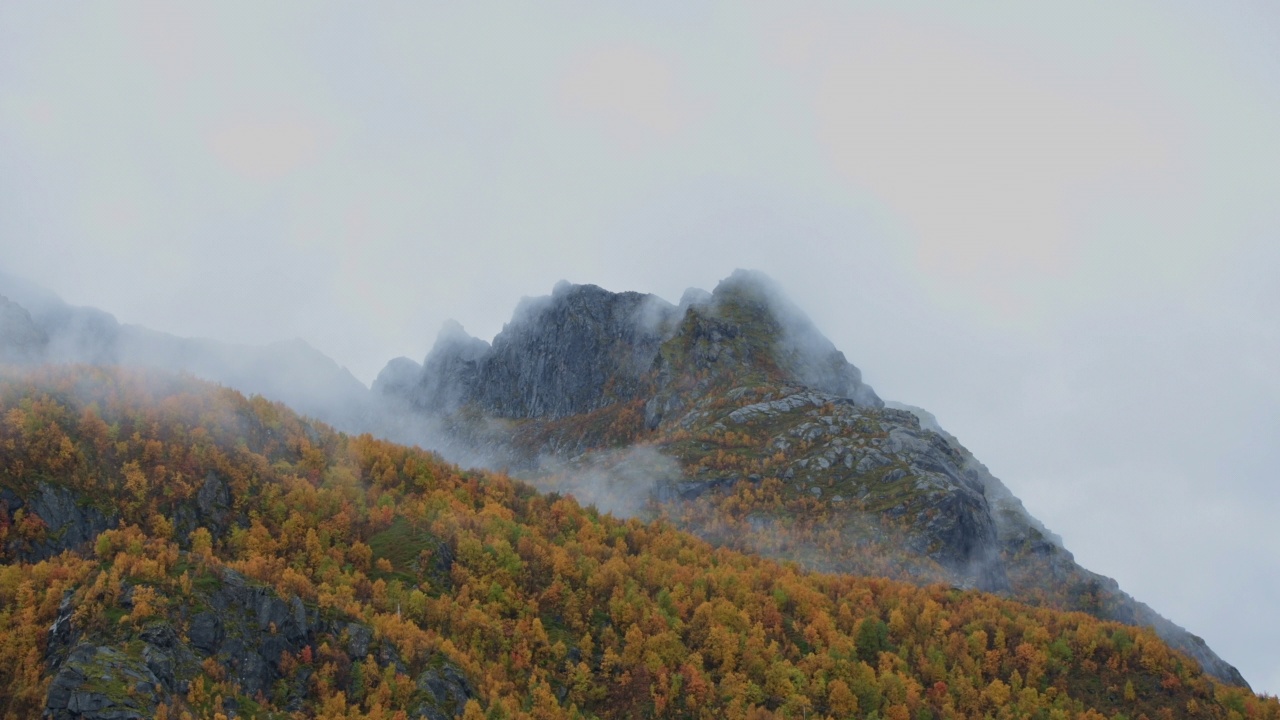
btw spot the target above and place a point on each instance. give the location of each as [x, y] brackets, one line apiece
[1052, 225]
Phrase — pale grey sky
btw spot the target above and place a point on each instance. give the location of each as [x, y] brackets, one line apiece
[1052, 224]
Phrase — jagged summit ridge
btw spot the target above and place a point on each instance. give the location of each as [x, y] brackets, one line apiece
[583, 348]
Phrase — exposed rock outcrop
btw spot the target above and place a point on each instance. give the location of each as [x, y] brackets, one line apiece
[584, 348]
[244, 627]
[103, 683]
[577, 351]
[71, 521]
[450, 374]
[445, 692]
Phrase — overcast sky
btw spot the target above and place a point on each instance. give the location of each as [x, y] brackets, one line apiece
[1055, 225]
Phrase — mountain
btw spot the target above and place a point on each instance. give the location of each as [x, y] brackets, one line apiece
[733, 417]
[37, 326]
[173, 549]
[728, 414]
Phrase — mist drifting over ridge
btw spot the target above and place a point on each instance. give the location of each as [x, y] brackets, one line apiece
[625, 482]
[1050, 225]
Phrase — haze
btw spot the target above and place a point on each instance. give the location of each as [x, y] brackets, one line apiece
[1054, 225]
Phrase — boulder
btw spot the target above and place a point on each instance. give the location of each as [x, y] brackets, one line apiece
[102, 683]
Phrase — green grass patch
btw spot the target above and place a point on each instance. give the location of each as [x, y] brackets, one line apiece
[401, 545]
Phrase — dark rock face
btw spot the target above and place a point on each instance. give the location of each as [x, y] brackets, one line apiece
[582, 349]
[206, 633]
[450, 374]
[213, 501]
[103, 683]
[166, 656]
[445, 692]
[211, 509]
[62, 634]
[247, 629]
[71, 522]
[585, 348]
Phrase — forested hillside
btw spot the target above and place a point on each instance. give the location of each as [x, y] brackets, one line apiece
[173, 549]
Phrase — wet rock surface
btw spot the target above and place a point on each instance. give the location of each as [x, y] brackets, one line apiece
[445, 691]
[71, 521]
[211, 508]
[579, 350]
[584, 348]
[102, 683]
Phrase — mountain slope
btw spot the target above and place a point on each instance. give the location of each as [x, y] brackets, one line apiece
[173, 549]
[37, 326]
[731, 415]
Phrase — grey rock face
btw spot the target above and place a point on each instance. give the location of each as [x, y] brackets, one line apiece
[578, 351]
[102, 683]
[450, 372]
[247, 628]
[213, 501]
[773, 408]
[166, 656]
[206, 632]
[584, 348]
[445, 692]
[358, 639]
[71, 522]
[951, 519]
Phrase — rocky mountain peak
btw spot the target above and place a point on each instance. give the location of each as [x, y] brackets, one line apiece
[583, 348]
[453, 338]
[449, 370]
[398, 377]
[748, 326]
[576, 351]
